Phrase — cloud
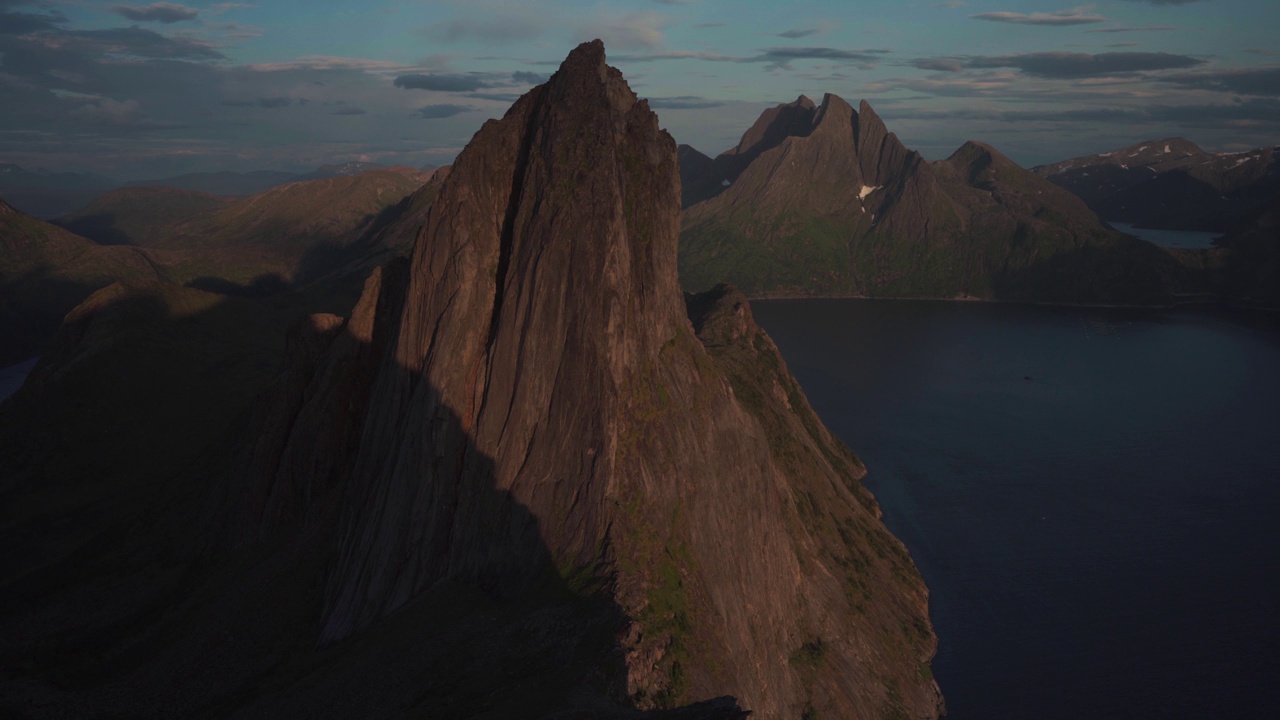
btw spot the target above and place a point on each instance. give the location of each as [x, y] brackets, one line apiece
[441, 82]
[161, 12]
[137, 42]
[797, 34]
[349, 111]
[938, 64]
[1063, 65]
[265, 102]
[711, 25]
[950, 4]
[528, 78]
[629, 31]
[495, 24]
[220, 8]
[1211, 115]
[781, 57]
[1153, 28]
[106, 111]
[109, 114]
[672, 55]
[1263, 81]
[328, 62]
[495, 96]
[441, 111]
[775, 56]
[21, 23]
[1074, 16]
[683, 102]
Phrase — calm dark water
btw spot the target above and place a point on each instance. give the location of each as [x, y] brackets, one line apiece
[1102, 540]
[1169, 238]
[12, 377]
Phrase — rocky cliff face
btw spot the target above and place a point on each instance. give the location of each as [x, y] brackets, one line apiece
[543, 403]
[528, 477]
[843, 208]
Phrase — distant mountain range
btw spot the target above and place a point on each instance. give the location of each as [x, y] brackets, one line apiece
[47, 195]
[1171, 184]
[50, 195]
[824, 200]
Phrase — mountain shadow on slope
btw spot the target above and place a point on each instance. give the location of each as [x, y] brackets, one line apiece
[246, 614]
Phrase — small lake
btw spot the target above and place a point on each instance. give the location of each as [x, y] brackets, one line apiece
[1186, 239]
[1092, 495]
[12, 377]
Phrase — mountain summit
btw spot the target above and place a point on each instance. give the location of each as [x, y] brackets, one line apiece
[527, 477]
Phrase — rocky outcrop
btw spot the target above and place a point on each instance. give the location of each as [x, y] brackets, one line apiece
[844, 208]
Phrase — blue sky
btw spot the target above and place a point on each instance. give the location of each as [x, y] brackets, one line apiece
[138, 90]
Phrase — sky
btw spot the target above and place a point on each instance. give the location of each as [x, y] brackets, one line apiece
[146, 90]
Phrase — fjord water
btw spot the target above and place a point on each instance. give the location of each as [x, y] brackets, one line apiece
[12, 377]
[1092, 495]
[1187, 239]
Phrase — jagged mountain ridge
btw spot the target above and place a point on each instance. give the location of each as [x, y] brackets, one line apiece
[841, 207]
[1171, 184]
[530, 399]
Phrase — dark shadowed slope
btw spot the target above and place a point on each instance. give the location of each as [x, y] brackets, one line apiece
[1171, 184]
[840, 207]
[525, 478]
[1252, 258]
[44, 272]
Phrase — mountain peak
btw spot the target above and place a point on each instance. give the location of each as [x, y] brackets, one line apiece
[834, 113]
[587, 56]
[772, 127]
[881, 155]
